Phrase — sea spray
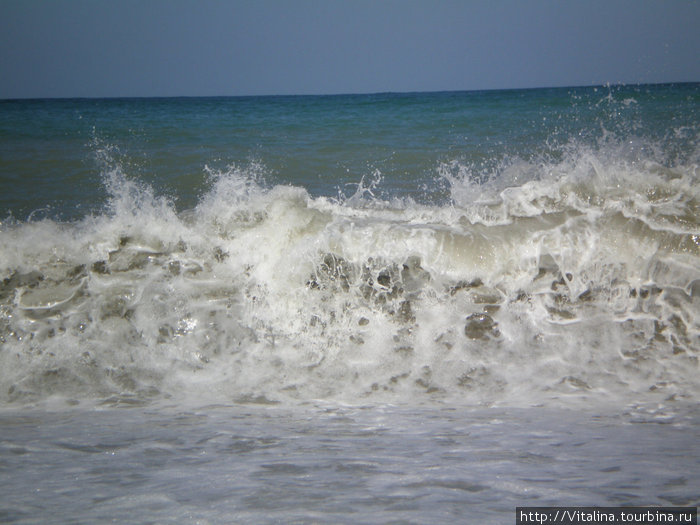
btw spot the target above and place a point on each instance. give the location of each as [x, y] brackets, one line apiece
[534, 247]
[577, 280]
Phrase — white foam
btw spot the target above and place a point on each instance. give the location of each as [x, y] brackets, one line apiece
[548, 282]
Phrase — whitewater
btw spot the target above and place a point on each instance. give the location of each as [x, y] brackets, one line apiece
[424, 337]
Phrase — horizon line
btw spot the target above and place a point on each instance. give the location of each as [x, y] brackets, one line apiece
[358, 93]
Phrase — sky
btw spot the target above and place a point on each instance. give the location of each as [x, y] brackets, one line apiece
[124, 48]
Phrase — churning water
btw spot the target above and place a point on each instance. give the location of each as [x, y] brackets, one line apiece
[376, 308]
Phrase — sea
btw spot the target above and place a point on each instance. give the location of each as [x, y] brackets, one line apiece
[378, 308]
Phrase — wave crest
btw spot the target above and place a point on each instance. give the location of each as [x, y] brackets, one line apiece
[574, 279]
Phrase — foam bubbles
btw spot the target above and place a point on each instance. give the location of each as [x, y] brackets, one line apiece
[545, 283]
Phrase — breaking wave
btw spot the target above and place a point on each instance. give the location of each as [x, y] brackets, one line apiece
[542, 282]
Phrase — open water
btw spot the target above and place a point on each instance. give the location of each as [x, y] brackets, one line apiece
[389, 308]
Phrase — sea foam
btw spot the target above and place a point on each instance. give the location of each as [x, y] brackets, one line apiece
[545, 281]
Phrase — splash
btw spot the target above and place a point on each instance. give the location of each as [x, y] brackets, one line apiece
[546, 282]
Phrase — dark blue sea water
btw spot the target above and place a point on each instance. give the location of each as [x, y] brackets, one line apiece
[413, 308]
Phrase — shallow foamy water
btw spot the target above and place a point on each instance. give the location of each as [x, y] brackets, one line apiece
[321, 464]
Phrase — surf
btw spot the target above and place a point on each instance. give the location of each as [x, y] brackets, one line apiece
[546, 281]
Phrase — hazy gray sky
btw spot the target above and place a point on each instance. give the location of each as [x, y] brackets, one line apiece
[103, 48]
